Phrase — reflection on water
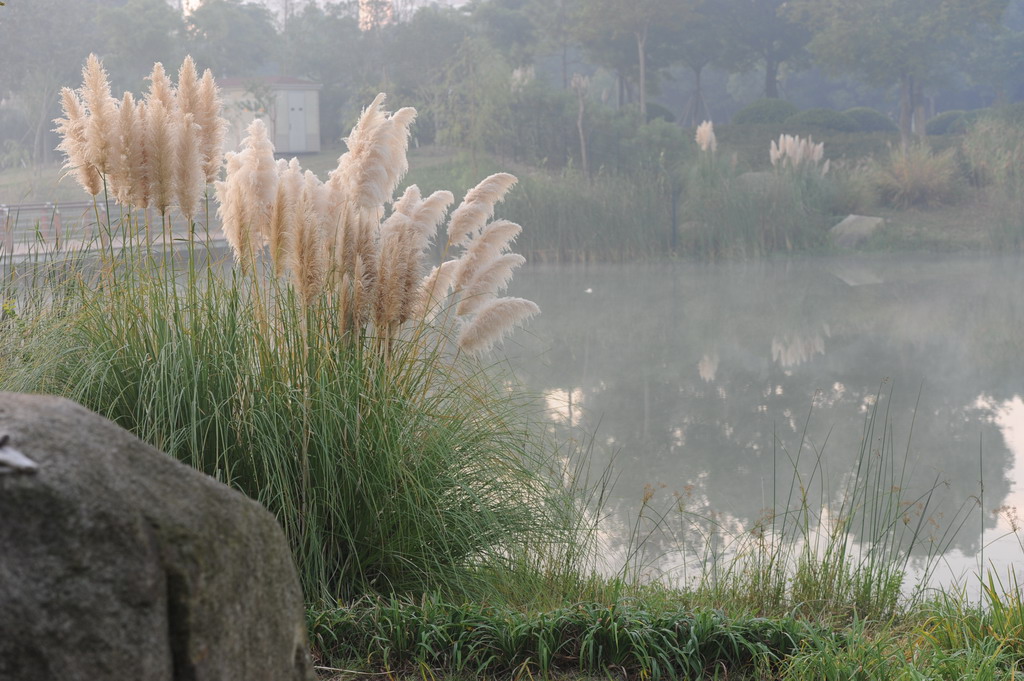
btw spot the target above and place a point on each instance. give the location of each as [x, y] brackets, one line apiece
[710, 384]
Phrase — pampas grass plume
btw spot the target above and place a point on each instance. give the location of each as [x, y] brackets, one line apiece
[705, 137]
[433, 290]
[121, 173]
[102, 138]
[305, 254]
[72, 129]
[231, 211]
[492, 241]
[258, 176]
[160, 88]
[187, 94]
[478, 207]
[160, 153]
[493, 322]
[488, 282]
[138, 157]
[212, 126]
[189, 177]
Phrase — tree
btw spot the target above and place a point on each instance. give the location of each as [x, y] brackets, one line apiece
[231, 37]
[700, 42]
[137, 34]
[601, 20]
[317, 41]
[996, 57]
[553, 23]
[760, 31]
[508, 26]
[42, 48]
[904, 42]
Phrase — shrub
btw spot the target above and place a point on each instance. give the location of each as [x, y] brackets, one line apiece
[871, 120]
[947, 123]
[765, 111]
[917, 177]
[828, 119]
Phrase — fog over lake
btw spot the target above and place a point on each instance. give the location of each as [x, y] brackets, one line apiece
[698, 383]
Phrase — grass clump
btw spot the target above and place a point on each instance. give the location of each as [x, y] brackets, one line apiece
[328, 375]
[729, 213]
[992, 152]
[916, 176]
[589, 638]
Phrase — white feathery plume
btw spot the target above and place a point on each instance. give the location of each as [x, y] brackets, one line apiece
[211, 125]
[495, 239]
[231, 199]
[478, 207]
[433, 290]
[187, 93]
[102, 135]
[121, 176]
[411, 198]
[375, 162]
[286, 213]
[429, 212]
[160, 152]
[305, 255]
[138, 152]
[493, 321]
[160, 87]
[395, 248]
[258, 178]
[488, 282]
[423, 219]
[71, 128]
[705, 137]
[359, 142]
[189, 180]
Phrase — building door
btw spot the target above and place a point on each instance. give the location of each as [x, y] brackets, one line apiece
[296, 121]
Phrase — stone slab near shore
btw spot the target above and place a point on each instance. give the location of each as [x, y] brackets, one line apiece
[118, 562]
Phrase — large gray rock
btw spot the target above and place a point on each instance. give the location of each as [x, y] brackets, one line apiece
[117, 562]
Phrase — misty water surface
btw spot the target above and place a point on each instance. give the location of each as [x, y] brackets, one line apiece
[702, 380]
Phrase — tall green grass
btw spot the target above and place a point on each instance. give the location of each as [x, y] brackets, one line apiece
[728, 213]
[621, 638]
[406, 471]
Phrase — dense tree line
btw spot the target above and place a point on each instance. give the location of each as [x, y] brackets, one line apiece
[536, 79]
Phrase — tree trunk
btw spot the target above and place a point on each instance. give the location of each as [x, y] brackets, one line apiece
[39, 155]
[641, 47]
[565, 67]
[919, 111]
[771, 78]
[906, 110]
[581, 96]
[696, 110]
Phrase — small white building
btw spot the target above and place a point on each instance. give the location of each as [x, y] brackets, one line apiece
[289, 106]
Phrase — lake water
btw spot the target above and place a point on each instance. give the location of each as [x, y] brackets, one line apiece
[700, 382]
